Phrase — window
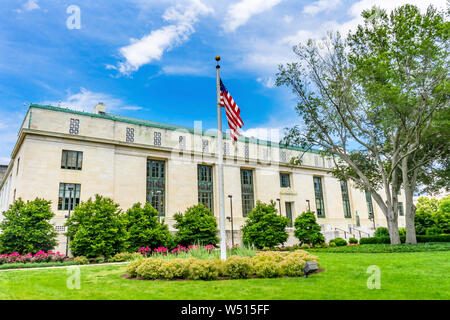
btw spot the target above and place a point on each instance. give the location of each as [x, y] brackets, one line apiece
[72, 160]
[18, 162]
[205, 146]
[182, 142]
[283, 156]
[69, 196]
[226, 148]
[205, 186]
[345, 199]
[14, 196]
[130, 135]
[246, 151]
[285, 181]
[60, 229]
[157, 138]
[369, 204]
[247, 191]
[74, 126]
[320, 207]
[156, 185]
[316, 161]
[289, 213]
[400, 209]
[330, 164]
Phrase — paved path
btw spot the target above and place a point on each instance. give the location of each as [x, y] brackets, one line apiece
[59, 267]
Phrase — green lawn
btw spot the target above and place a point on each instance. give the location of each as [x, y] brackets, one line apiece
[418, 275]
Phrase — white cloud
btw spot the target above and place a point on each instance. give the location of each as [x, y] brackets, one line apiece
[86, 100]
[263, 133]
[267, 82]
[152, 46]
[183, 70]
[321, 5]
[239, 13]
[288, 18]
[31, 5]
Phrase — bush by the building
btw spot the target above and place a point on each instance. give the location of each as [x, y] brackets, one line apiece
[432, 216]
[196, 226]
[26, 227]
[307, 230]
[264, 227]
[144, 228]
[340, 242]
[353, 240]
[96, 228]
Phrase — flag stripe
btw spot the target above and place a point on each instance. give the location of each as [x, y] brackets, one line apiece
[232, 111]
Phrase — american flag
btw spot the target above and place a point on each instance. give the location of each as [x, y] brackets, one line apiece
[232, 110]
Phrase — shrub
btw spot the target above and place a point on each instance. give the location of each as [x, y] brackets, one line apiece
[381, 232]
[144, 228]
[125, 256]
[434, 230]
[332, 244]
[81, 260]
[402, 232]
[432, 213]
[264, 227]
[340, 242]
[26, 227]
[203, 270]
[99, 259]
[306, 246]
[307, 230]
[96, 228]
[196, 226]
[352, 240]
[132, 266]
[292, 267]
[174, 269]
[267, 269]
[150, 269]
[237, 267]
[433, 238]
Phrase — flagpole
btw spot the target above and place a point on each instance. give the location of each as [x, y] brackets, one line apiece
[223, 245]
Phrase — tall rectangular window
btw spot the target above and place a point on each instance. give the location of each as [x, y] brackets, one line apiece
[247, 191]
[400, 209]
[283, 156]
[246, 151]
[74, 126]
[226, 148]
[285, 181]
[205, 186]
[289, 213]
[18, 163]
[156, 185]
[320, 207]
[72, 160]
[130, 135]
[69, 196]
[345, 199]
[369, 204]
[157, 138]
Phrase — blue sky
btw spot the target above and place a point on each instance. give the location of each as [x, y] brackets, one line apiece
[154, 59]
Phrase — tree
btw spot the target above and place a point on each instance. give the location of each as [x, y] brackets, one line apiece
[196, 226]
[307, 230]
[374, 102]
[144, 228]
[26, 227]
[96, 228]
[264, 227]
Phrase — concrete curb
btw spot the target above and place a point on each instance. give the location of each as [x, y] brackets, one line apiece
[69, 266]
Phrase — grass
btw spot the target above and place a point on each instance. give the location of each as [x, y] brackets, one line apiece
[385, 248]
[418, 275]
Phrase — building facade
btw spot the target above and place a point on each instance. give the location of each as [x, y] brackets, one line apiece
[68, 156]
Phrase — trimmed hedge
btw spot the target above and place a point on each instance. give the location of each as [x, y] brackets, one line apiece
[263, 265]
[420, 239]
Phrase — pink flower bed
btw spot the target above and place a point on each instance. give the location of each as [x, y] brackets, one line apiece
[164, 250]
[40, 256]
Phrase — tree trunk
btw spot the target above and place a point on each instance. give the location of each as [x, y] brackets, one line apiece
[392, 224]
[410, 225]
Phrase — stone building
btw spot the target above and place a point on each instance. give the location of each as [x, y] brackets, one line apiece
[67, 156]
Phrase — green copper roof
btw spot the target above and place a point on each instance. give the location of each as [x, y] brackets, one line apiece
[160, 125]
